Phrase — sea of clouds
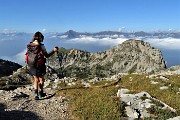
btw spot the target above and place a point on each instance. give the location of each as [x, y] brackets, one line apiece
[14, 49]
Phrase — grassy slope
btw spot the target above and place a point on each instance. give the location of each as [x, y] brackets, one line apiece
[101, 103]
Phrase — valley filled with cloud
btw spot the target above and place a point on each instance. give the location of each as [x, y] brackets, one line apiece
[13, 45]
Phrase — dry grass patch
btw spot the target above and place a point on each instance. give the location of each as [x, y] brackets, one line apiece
[95, 103]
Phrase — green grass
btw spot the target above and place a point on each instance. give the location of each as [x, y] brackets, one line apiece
[95, 103]
[102, 83]
[102, 106]
[101, 103]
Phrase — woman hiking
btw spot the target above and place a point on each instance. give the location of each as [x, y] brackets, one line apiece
[36, 62]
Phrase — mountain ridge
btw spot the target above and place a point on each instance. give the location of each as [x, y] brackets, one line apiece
[132, 56]
[73, 34]
[70, 34]
[129, 57]
[8, 67]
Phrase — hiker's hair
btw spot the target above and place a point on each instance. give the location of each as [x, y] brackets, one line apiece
[38, 36]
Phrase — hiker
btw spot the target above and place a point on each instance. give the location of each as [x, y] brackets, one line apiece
[38, 67]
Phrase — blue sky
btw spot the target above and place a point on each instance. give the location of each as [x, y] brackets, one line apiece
[89, 15]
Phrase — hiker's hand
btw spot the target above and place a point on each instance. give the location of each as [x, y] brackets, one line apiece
[55, 49]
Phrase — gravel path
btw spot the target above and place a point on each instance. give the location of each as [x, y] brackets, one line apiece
[20, 105]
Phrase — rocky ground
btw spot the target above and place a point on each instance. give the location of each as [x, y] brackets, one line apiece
[20, 104]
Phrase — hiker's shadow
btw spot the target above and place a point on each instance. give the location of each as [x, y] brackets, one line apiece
[48, 96]
[16, 114]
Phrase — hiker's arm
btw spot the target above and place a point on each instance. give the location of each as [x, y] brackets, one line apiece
[50, 53]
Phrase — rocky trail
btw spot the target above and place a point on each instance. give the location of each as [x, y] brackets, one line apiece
[20, 104]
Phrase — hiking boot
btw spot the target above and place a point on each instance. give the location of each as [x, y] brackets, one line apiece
[36, 97]
[41, 94]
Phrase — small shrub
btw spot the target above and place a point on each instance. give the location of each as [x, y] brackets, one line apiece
[161, 114]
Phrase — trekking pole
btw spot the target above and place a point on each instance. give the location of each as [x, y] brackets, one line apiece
[60, 61]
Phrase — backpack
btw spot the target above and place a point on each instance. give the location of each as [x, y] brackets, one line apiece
[34, 55]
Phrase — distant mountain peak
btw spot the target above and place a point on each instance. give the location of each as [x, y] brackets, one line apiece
[72, 34]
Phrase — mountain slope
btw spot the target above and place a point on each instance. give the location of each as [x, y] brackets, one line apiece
[132, 56]
[7, 67]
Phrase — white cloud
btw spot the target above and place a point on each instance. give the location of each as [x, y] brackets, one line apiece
[103, 42]
[43, 30]
[121, 29]
[165, 43]
[18, 58]
[97, 41]
[62, 36]
[5, 30]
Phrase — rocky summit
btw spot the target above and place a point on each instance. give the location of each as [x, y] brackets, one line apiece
[132, 56]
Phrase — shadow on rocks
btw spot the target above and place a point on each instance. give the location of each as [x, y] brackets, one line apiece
[17, 115]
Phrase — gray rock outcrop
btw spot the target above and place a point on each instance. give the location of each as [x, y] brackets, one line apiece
[132, 56]
[137, 104]
[18, 78]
